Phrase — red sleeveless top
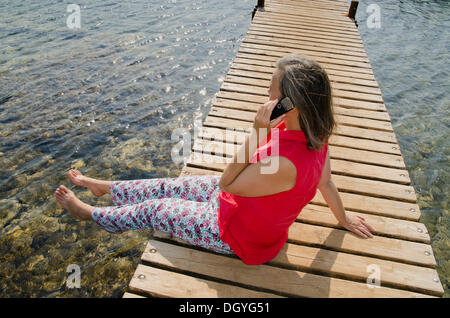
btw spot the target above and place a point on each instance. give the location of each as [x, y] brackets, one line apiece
[256, 228]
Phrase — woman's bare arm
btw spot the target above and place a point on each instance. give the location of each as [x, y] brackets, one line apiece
[243, 179]
[356, 224]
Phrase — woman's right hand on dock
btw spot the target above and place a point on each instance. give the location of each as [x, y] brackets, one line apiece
[358, 225]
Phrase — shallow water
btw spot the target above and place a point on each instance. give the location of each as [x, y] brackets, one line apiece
[106, 98]
[409, 55]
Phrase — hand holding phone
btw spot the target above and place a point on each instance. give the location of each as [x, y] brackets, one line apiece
[283, 106]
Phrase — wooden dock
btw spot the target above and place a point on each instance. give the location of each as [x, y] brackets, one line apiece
[320, 259]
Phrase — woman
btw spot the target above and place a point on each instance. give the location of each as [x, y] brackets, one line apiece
[248, 210]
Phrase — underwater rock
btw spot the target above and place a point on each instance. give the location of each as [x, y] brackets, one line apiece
[78, 164]
[33, 260]
[8, 210]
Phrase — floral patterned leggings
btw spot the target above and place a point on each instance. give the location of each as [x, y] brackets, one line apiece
[186, 207]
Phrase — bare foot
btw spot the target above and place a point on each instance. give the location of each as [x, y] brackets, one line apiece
[97, 187]
[70, 202]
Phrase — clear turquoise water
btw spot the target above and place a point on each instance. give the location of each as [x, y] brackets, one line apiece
[106, 98]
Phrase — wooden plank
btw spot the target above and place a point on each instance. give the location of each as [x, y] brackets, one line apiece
[349, 36]
[342, 119]
[375, 188]
[350, 266]
[303, 24]
[355, 267]
[371, 171]
[299, 11]
[342, 3]
[261, 99]
[289, 39]
[267, 60]
[348, 142]
[298, 42]
[321, 58]
[375, 120]
[364, 123]
[356, 88]
[131, 295]
[335, 18]
[351, 201]
[342, 53]
[369, 167]
[318, 10]
[333, 7]
[304, 39]
[266, 64]
[322, 10]
[279, 280]
[327, 62]
[312, 20]
[339, 89]
[352, 103]
[380, 247]
[266, 53]
[318, 2]
[286, 25]
[305, 36]
[257, 90]
[215, 154]
[384, 226]
[306, 5]
[190, 171]
[345, 22]
[340, 129]
[369, 157]
[357, 96]
[330, 5]
[163, 283]
[250, 106]
[375, 205]
[336, 151]
[264, 82]
[353, 183]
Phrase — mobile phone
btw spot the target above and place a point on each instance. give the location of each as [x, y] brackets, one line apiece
[283, 106]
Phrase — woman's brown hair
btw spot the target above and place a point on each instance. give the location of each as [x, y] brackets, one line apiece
[307, 84]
